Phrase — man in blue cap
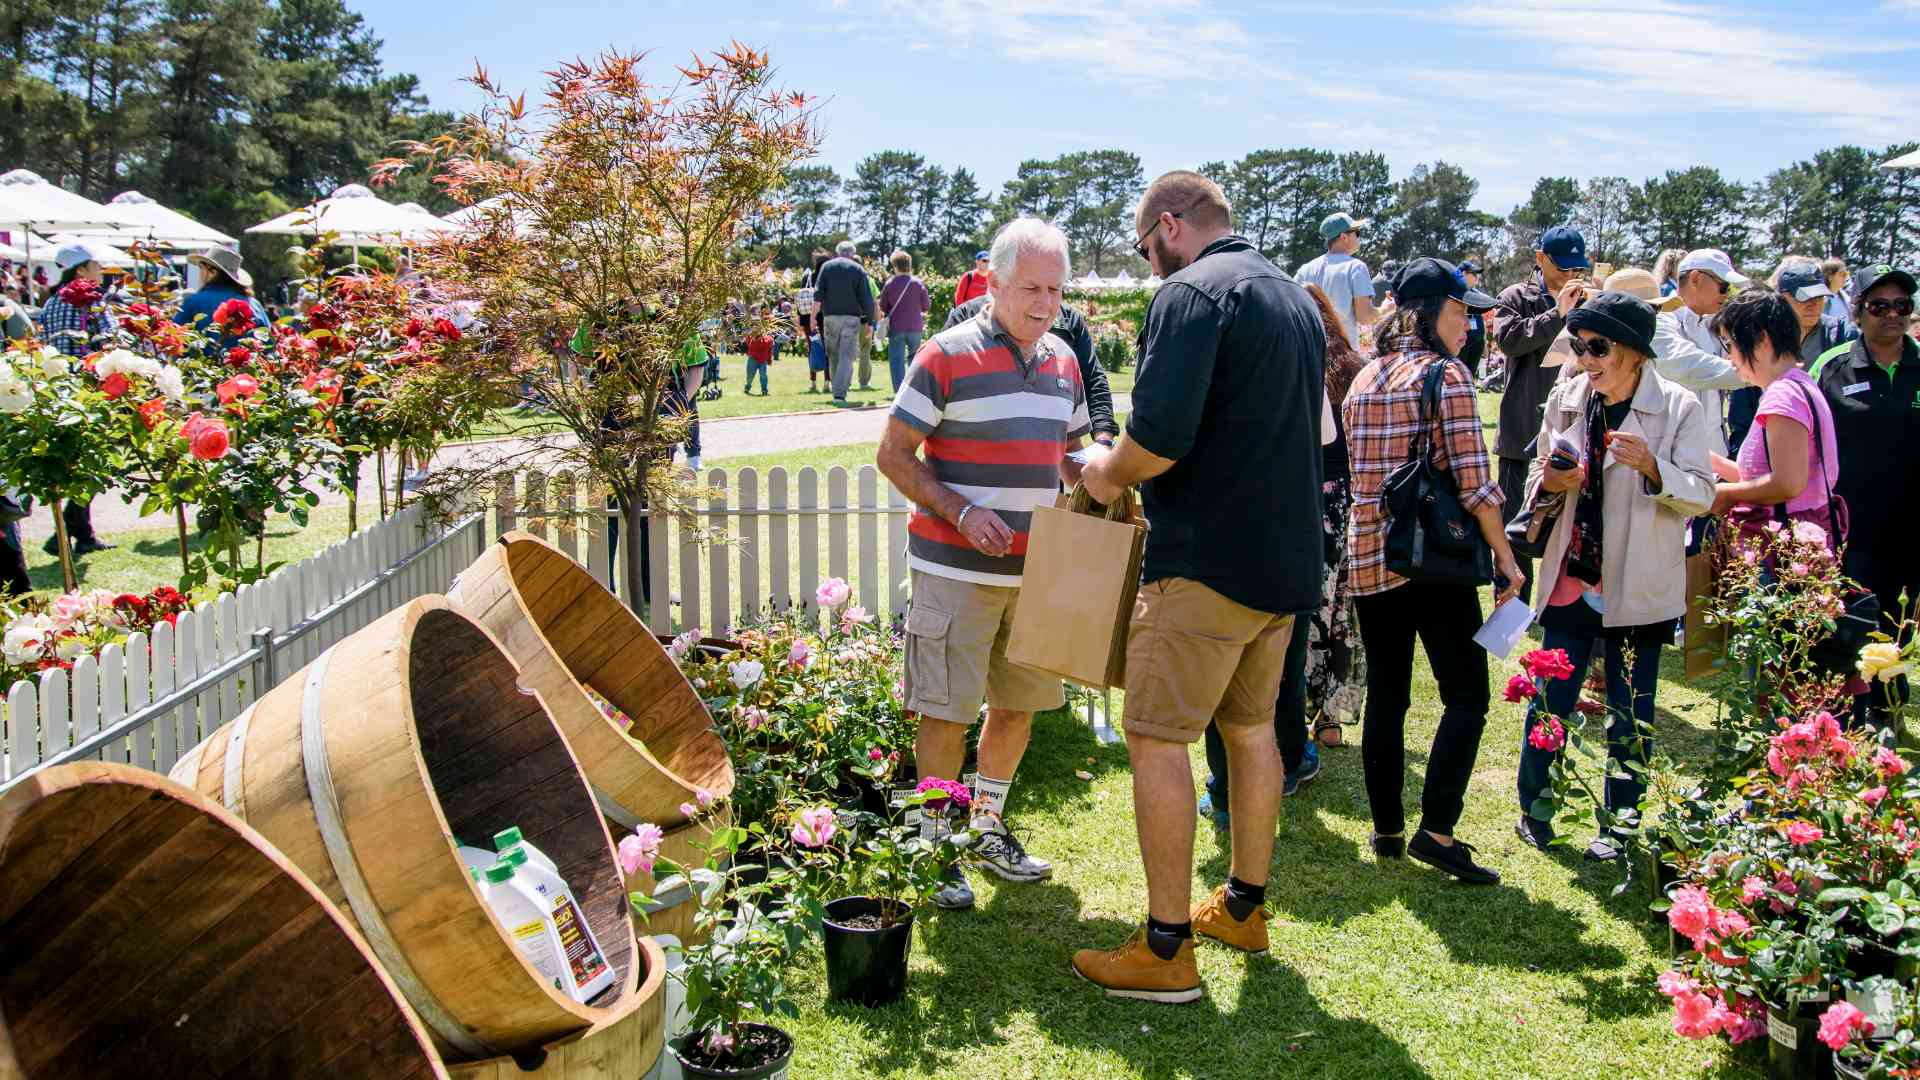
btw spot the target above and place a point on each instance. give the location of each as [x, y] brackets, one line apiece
[973, 283]
[1804, 284]
[1344, 279]
[1530, 316]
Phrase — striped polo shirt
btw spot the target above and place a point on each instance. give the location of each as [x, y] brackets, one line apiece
[996, 429]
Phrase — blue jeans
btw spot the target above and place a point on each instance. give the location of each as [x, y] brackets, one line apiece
[1577, 628]
[901, 345]
[755, 367]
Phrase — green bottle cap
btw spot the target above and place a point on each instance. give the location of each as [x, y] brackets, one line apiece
[516, 857]
[506, 838]
[500, 872]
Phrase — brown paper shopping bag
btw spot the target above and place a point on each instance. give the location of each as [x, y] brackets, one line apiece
[1704, 643]
[1076, 594]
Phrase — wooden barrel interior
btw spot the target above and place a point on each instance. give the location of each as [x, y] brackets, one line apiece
[143, 933]
[496, 760]
[605, 647]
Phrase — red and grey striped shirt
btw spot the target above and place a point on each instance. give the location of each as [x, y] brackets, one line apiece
[997, 428]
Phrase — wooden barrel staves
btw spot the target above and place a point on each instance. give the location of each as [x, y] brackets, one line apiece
[369, 766]
[570, 635]
[145, 931]
[622, 1047]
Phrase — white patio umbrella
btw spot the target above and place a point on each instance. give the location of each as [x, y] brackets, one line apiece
[429, 224]
[1091, 281]
[475, 217]
[156, 224]
[28, 202]
[103, 253]
[1904, 161]
[356, 216]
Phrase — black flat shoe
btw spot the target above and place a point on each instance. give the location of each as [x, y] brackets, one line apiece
[1390, 847]
[88, 547]
[1603, 849]
[1533, 832]
[1455, 858]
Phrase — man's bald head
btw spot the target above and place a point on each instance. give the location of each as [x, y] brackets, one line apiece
[1198, 200]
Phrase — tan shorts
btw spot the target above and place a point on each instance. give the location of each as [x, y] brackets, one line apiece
[957, 653]
[1193, 656]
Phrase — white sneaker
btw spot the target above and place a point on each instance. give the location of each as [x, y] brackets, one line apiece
[1001, 852]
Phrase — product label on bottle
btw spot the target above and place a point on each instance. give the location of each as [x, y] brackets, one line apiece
[583, 956]
[532, 941]
[1782, 1032]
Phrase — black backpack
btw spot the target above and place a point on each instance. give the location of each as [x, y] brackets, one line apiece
[1430, 536]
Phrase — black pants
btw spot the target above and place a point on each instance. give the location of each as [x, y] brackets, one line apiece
[1445, 618]
[13, 562]
[1888, 575]
[1513, 494]
[79, 519]
[1289, 719]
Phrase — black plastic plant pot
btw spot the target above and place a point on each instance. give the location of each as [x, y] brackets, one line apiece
[777, 1054]
[1794, 1049]
[866, 966]
[1852, 1068]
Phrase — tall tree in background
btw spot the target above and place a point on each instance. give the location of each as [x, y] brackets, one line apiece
[1690, 209]
[1364, 188]
[1099, 189]
[1434, 215]
[1601, 216]
[930, 189]
[810, 194]
[961, 216]
[1900, 186]
[881, 195]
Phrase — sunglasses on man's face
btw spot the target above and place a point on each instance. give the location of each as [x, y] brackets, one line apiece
[1880, 309]
[1594, 347]
[1140, 247]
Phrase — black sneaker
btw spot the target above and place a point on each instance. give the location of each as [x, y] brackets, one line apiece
[1001, 852]
[1390, 847]
[1455, 859]
[1604, 848]
[956, 895]
[88, 547]
[1533, 831]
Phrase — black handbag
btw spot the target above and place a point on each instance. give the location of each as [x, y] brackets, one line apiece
[1839, 652]
[1430, 536]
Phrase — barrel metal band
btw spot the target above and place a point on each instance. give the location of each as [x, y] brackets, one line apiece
[326, 811]
[187, 769]
[233, 782]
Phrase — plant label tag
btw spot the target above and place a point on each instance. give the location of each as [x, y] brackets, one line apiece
[1782, 1032]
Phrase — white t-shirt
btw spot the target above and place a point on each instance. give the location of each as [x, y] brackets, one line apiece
[1342, 278]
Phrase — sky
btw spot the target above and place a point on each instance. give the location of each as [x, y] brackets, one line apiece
[1508, 89]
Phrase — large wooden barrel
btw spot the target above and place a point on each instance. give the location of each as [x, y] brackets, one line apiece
[569, 634]
[145, 931]
[369, 766]
[622, 1047]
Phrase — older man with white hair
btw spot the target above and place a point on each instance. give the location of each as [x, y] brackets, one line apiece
[843, 297]
[978, 439]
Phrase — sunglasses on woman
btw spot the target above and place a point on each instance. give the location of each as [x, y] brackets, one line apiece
[1902, 307]
[1596, 348]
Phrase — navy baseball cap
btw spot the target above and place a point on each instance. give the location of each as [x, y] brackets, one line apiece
[983, 255]
[1468, 266]
[1566, 247]
[1424, 278]
[1802, 279]
[1867, 277]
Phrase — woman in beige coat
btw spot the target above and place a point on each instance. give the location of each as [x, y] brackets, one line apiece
[1631, 455]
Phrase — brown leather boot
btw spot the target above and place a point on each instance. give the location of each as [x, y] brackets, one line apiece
[1133, 971]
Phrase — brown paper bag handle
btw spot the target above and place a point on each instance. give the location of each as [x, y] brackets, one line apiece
[1121, 509]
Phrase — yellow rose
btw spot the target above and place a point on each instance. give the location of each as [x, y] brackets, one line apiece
[1881, 660]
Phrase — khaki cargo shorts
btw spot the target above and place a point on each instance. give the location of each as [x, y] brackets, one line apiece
[1193, 656]
[957, 653]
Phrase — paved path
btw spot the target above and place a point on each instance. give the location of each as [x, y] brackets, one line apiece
[738, 436]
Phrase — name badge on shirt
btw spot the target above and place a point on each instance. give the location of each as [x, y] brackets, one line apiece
[1855, 388]
[1060, 382]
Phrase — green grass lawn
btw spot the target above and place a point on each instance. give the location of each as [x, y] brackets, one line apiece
[144, 558]
[1378, 970]
[787, 393]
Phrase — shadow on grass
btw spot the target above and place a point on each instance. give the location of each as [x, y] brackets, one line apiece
[1272, 1027]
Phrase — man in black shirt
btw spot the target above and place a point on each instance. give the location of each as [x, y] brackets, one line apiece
[1070, 327]
[1224, 439]
[843, 298]
[1872, 384]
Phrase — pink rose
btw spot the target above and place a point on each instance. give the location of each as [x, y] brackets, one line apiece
[1752, 889]
[1521, 688]
[1691, 912]
[1783, 883]
[703, 797]
[1696, 1016]
[815, 827]
[874, 754]
[1549, 735]
[1548, 664]
[1802, 833]
[1872, 796]
[800, 655]
[687, 809]
[638, 851]
[1889, 763]
[832, 593]
[855, 616]
[1675, 983]
[1840, 1021]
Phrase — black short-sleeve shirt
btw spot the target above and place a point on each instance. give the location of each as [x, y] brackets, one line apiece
[1876, 422]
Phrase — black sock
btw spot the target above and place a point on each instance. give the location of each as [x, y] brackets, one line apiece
[1244, 899]
[1164, 938]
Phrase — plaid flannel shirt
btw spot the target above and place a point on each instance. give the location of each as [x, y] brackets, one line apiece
[1382, 415]
[70, 329]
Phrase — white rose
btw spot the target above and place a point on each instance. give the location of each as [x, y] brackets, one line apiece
[72, 648]
[146, 366]
[22, 643]
[52, 363]
[171, 382]
[746, 673]
[15, 395]
[115, 361]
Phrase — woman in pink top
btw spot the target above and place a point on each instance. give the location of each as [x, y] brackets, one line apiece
[1779, 463]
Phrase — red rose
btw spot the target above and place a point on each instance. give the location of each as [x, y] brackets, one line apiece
[446, 329]
[323, 384]
[1548, 664]
[323, 317]
[415, 327]
[240, 386]
[114, 385]
[1520, 688]
[150, 412]
[239, 356]
[81, 293]
[235, 316]
[206, 439]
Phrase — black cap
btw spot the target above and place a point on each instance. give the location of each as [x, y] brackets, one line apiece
[1566, 247]
[1468, 266]
[1617, 316]
[1423, 278]
[1868, 276]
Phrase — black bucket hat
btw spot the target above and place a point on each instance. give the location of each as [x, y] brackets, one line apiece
[1617, 316]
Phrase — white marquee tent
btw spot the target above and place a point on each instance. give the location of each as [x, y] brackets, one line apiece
[152, 223]
[355, 215]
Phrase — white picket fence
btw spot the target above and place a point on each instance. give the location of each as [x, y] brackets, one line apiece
[172, 690]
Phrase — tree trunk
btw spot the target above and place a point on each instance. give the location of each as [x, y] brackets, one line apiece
[351, 475]
[400, 481]
[68, 581]
[632, 515]
[380, 480]
[180, 529]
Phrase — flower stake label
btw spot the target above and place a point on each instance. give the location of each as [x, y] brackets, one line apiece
[1782, 1031]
